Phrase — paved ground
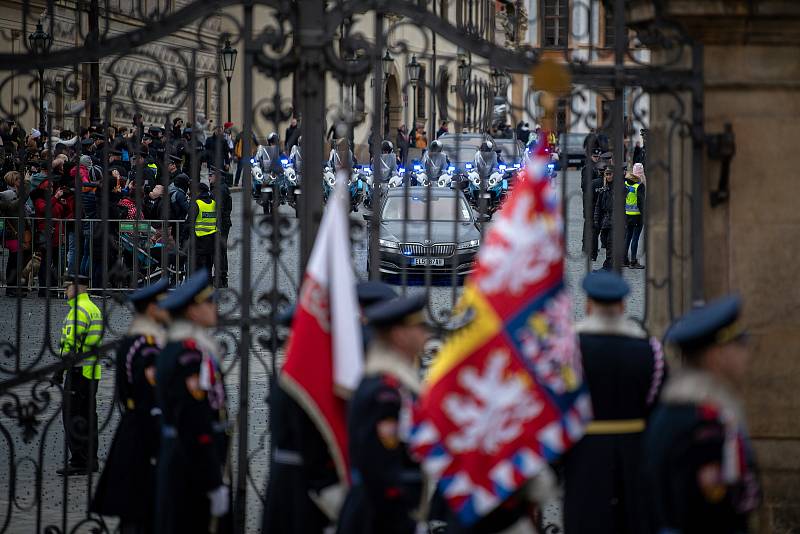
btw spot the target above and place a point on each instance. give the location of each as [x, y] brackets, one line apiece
[37, 503]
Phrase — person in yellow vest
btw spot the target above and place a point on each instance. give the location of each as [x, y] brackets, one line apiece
[634, 215]
[81, 336]
[203, 217]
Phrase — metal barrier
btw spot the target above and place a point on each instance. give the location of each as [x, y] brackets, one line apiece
[116, 254]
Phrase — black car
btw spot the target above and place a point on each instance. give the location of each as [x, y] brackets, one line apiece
[443, 239]
[576, 153]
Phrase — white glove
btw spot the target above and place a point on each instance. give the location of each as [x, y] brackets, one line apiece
[329, 500]
[220, 500]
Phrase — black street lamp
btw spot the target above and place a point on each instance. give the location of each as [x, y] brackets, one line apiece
[412, 71]
[499, 82]
[40, 42]
[464, 72]
[387, 61]
[228, 55]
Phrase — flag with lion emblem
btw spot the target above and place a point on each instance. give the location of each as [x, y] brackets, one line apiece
[505, 395]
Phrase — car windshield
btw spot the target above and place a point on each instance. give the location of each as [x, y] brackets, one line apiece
[511, 150]
[462, 155]
[442, 208]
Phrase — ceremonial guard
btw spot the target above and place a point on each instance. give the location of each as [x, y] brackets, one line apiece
[624, 371]
[700, 470]
[304, 493]
[387, 484]
[192, 494]
[126, 488]
[81, 336]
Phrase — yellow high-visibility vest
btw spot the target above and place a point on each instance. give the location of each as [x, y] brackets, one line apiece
[82, 333]
[206, 221]
[632, 199]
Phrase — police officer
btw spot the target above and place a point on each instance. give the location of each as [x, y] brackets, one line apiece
[388, 161]
[485, 159]
[624, 371]
[203, 218]
[634, 210]
[435, 161]
[127, 484]
[591, 181]
[386, 487]
[81, 336]
[192, 493]
[304, 493]
[604, 215]
[699, 468]
[221, 192]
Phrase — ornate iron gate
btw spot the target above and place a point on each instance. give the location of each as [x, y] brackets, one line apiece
[357, 69]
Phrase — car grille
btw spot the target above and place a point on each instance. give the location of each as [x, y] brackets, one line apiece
[416, 249]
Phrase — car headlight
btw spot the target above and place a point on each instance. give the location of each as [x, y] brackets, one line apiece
[475, 243]
[385, 243]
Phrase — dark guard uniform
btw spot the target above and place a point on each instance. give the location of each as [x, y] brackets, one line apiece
[624, 371]
[126, 487]
[700, 471]
[194, 438]
[304, 493]
[387, 484]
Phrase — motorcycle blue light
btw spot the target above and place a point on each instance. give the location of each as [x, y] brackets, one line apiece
[501, 167]
[417, 167]
[516, 165]
[551, 166]
[401, 170]
[469, 165]
[284, 162]
[451, 169]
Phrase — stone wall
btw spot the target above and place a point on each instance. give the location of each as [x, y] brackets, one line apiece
[751, 79]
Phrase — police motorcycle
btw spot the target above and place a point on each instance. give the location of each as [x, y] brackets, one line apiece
[293, 177]
[267, 170]
[434, 167]
[357, 183]
[486, 167]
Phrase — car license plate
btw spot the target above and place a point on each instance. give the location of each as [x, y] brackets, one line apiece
[433, 262]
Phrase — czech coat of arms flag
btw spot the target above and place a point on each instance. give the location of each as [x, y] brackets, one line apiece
[324, 355]
[505, 396]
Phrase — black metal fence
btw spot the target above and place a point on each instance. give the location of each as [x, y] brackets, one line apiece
[344, 68]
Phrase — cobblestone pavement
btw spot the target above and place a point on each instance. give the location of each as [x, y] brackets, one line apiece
[26, 451]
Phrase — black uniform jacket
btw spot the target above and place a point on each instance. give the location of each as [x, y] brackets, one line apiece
[127, 485]
[699, 471]
[624, 371]
[387, 485]
[194, 441]
[301, 465]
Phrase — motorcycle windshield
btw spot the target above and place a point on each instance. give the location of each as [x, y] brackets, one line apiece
[435, 165]
[388, 165]
[484, 163]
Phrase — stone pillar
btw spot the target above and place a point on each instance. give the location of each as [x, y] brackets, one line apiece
[751, 79]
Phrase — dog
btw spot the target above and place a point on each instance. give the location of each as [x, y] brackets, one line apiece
[31, 271]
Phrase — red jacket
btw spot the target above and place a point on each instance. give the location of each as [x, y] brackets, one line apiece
[59, 211]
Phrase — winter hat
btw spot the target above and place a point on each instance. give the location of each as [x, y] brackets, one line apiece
[86, 161]
[35, 133]
[638, 171]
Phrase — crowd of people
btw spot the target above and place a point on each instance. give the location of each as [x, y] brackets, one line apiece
[58, 186]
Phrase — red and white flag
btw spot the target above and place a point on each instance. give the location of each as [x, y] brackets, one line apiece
[324, 356]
